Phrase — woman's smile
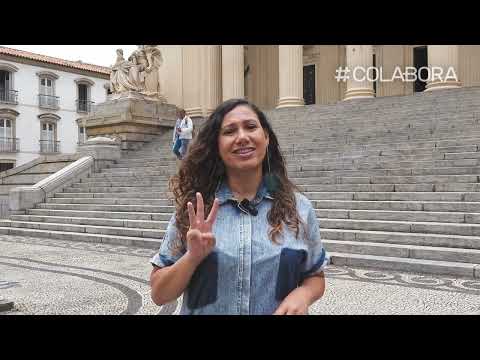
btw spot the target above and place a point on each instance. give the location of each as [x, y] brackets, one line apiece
[245, 152]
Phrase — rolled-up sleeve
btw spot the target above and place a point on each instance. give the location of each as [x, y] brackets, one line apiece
[168, 253]
[317, 257]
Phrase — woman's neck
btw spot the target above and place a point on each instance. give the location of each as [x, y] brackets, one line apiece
[244, 184]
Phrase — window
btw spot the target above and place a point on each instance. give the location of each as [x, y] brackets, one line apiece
[46, 94]
[47, 138]
[309, 84]
[8, 142]
[82, 134]
[48, 133]
[7, 92]
[5, 128]
[84, 101]
[420, 61]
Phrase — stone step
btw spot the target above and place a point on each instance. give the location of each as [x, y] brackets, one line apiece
[395, 196]
[111, 201]
[402, 226]
[463, 155]
[150, 243]
[136, 195]
[411, 216]
[114, 177]
[466, 170]
[154, 164]
[438, 206]
[376, 135]
[92, 229]
[113, 189]
[117, 208]
[451, 187]
[417, 179]
[120, 183]
[144, 224]
[406, 264]
[138, 215]
[164, 169]
[404, 251]
[147, 158]
[378, 162]
[405, 238]
[139, 174]
[319, 147]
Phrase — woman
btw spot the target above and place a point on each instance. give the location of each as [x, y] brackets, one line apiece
[258, 251]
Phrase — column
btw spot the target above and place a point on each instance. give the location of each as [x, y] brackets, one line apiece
[233, 82]
[443, 67]
[359, 59]
[192, 66]
[211, 84]
[290, 63]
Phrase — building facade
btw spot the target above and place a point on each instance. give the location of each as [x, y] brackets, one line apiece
[200, 77]
[41, 98]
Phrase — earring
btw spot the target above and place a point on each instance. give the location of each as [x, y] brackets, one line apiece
[271, 180]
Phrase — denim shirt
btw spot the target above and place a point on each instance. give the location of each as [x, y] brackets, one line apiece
[247, 273]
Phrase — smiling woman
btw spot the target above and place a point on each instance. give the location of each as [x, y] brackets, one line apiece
[237, 244]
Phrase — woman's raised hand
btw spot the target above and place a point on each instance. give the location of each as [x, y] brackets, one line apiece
[200, 239]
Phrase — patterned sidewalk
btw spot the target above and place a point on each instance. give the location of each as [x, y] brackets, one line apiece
[43, 276]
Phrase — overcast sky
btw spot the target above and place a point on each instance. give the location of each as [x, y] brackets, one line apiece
[103, 55]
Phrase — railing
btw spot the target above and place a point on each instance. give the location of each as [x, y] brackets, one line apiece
[49, 146]
[9, 96]
[48, 101]
[84, 106]
[9, 144]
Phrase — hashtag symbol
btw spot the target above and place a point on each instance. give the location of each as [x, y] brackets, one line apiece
[342, 74]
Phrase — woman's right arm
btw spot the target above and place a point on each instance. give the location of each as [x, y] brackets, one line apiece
[169, 282]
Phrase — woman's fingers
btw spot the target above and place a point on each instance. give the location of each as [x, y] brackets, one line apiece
[200, 208]
[191, 214]
[213, 213]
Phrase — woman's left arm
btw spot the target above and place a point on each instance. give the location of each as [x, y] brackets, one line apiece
[299, 300]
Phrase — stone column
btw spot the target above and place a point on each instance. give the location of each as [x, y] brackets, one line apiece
[233, 82]
[444, 59]
[212, 78]
[192, 75]
[359, 57]
[290, 63]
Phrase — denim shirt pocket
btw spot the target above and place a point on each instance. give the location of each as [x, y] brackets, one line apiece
[203, 289]
[289, 271]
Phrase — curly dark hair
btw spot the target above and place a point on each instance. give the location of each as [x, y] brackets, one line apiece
[202, 169]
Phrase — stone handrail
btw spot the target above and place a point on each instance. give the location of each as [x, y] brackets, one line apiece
[26, 197]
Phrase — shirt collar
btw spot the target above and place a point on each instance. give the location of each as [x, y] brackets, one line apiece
[224, 194]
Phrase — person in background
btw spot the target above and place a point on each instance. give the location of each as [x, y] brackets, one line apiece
[176, 142]
[185, 134]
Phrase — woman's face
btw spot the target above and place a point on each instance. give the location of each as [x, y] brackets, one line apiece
[242, 142]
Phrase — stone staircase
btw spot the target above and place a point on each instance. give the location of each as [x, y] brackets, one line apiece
[126, 204]
[395, 182]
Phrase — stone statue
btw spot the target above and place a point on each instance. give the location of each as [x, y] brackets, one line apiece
[120, 77]
[139, 74]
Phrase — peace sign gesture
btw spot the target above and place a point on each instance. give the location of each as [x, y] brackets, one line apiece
[200, 239]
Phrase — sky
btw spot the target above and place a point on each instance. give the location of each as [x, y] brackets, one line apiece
[103, 55]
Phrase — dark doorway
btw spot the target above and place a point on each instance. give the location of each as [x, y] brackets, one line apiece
[420, 59]
[6, 166]
[309, 84]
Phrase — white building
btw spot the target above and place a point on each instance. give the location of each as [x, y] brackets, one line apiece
[41, 97]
